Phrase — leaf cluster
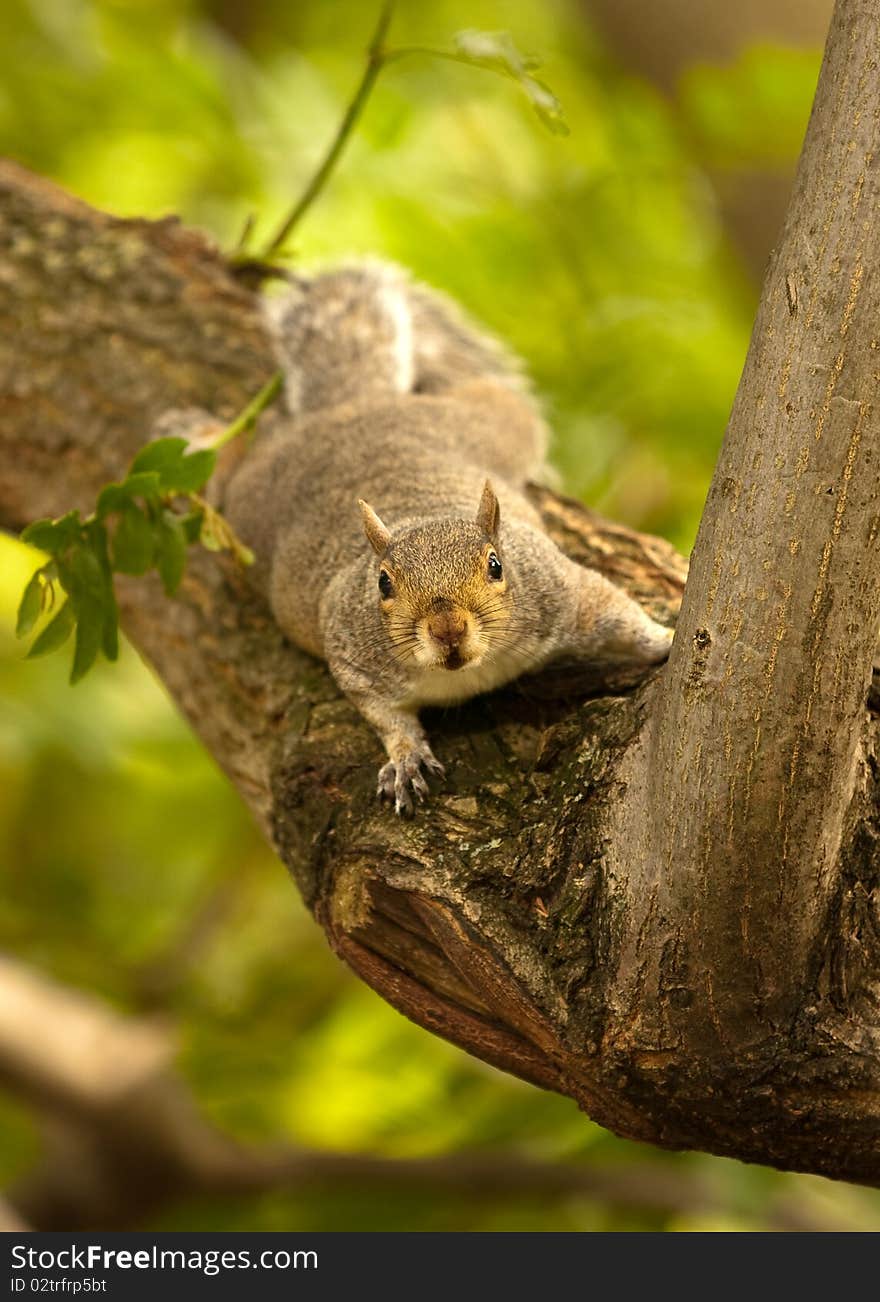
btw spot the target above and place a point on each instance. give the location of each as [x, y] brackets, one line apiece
[144, 522]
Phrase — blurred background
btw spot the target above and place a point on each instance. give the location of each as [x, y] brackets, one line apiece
[178, 1048]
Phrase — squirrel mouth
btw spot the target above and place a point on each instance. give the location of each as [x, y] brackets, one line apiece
[454, 660]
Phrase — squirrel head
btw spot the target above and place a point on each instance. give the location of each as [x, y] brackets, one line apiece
[441, 587]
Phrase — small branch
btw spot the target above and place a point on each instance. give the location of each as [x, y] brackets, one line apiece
[68, 1053]
[378, 57]
[375, 62]
[435, 52]
[654, 1189]
[252, 412]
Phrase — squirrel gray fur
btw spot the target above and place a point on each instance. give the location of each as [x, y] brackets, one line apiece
[446, 584]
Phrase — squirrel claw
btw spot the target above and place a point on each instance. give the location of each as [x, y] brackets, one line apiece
[400, 779]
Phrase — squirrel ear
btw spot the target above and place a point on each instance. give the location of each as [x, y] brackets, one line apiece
[489, 512]
[377, 534]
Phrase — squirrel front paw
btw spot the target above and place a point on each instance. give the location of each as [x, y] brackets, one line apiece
[400, 778]
[658, 646]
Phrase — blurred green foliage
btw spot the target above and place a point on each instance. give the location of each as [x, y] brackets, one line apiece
[130, 869]
[752, 112]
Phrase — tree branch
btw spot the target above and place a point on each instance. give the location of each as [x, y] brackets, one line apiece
[658, 897]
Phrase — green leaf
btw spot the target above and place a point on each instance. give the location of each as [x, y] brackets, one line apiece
[86, 575]
[191, 473]
[170, 551]
[83, 574]
[546, 105]
[159, 455]
[115, 497]
[192, 525]
[55, 634]
[53, 535]
[133, 545]
[498, 52]
[110, 610]
[110, 635]
[42, 534]
[178, 473]
[89, 630]
[495, 48]
[30, 605]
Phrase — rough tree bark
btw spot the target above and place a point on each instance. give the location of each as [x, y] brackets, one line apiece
[663, 898]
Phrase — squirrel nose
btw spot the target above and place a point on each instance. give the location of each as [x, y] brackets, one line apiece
[448, 627]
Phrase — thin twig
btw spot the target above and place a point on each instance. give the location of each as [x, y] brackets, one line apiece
[434, 52]
[248, 418]
[375, 63]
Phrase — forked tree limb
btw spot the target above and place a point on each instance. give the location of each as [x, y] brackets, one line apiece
[660, 898]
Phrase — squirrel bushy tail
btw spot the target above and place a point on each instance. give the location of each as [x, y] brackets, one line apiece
[368, 333]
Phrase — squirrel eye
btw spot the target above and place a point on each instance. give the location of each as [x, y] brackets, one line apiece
[386, 587]
[493, 567]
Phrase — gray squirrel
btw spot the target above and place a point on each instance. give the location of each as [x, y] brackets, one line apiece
[387, 515]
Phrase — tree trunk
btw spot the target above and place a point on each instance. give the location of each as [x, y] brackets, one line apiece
[660, 897]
